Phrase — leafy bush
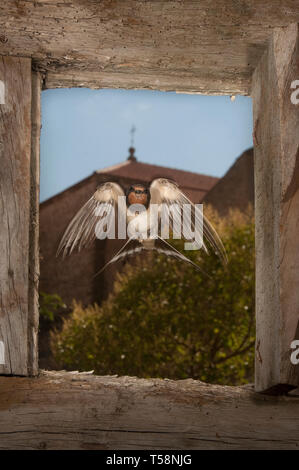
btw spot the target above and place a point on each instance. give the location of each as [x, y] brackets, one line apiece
[49, 306]
[164, 319]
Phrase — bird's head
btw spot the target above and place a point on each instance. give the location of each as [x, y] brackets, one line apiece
[138, 194]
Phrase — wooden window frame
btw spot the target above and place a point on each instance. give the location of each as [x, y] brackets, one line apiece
[276, 202]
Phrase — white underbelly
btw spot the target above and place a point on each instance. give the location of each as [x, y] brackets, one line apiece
[139, 224]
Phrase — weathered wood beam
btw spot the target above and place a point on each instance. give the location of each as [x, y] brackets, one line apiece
[206, 46]
[18, 325]
[199, 82]
[60, 410]
[276, 130]
[34, 254]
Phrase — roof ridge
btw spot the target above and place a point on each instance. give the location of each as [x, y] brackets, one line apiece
[126, 162]
[113, 167]
[177, 169]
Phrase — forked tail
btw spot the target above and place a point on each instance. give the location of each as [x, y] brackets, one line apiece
[158, 246]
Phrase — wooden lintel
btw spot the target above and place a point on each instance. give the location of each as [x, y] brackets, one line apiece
[190, 46]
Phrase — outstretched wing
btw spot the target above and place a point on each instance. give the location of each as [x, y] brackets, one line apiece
[165, 191]
[81, 231]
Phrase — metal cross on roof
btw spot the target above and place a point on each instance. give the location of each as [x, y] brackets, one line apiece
[132, 131]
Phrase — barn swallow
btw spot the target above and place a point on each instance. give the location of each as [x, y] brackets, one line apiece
[105, 201]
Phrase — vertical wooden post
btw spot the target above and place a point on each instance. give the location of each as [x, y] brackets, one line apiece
[276, 135]
[33, 312]
[18, 208]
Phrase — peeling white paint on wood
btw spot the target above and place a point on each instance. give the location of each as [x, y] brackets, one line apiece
[2, 92]
[2, 353]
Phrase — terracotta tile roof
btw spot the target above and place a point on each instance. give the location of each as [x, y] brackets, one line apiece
[195, 182]
[195, 185]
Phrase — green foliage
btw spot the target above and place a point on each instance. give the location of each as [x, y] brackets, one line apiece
[164, 319]
[49, 306]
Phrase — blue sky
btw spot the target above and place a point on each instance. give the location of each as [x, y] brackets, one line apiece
[84, 130]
